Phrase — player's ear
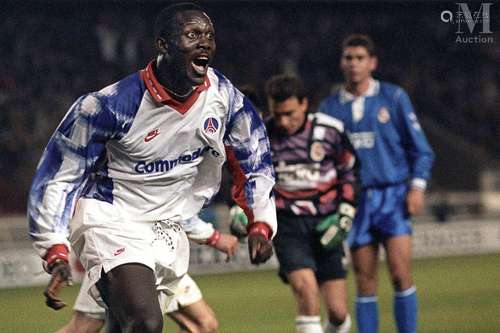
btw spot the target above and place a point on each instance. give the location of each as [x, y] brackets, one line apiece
[161, 45]
[373, 63]
[304, 104]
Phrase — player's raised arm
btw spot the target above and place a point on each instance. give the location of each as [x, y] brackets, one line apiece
[250, 163]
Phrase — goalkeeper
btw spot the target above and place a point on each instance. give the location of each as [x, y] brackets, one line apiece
[314, 164]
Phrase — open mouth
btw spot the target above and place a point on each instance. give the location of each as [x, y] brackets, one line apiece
[200, 65]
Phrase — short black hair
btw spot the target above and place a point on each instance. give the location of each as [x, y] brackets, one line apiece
[163, 22]
[360, 40]
[283, 86]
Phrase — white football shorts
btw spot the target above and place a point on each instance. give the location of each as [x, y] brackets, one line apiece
[103, 241]
[186, 294]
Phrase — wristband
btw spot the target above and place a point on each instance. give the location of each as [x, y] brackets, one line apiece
[214, 238]
[419, 183]
[260, 228]
[347, 209]
[55, 253]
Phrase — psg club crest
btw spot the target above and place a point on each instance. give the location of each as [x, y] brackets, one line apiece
[383, 115]
[317, 152]
[210, 125]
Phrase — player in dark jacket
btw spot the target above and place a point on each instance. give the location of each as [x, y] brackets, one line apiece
[315, 172]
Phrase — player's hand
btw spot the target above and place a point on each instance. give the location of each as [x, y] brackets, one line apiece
[415, 201]
[56, 264]
[259, 245]
[61, 275]
[334, 228]
[239, 222]
[227, 244]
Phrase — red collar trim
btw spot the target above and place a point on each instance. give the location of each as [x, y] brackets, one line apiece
[161, 95]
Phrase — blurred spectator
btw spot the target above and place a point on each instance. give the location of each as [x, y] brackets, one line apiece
[108, 37]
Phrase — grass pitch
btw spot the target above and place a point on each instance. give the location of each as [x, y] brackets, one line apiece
[456, 295]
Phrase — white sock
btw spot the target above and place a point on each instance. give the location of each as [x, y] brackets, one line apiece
[342, 328]
[308, 324]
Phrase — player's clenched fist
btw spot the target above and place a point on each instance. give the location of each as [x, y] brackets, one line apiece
[57, 265]
[259, 245]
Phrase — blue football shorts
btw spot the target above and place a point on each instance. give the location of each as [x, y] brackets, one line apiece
[381, 214]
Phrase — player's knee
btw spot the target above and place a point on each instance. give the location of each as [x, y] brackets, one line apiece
[308, 302]
[305, 288]
[366, 283]
[337, 313]
[305, 292]
[147, 323]
[67, 329]
[93, 327]
[401, 279]
[401, 282]
[81, 323]
[365, 275]
[209, 324]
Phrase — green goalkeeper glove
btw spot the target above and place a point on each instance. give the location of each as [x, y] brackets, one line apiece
[335, 228]
[239, 222]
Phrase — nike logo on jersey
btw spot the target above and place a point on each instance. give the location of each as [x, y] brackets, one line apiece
[151, 135]
[119, 251]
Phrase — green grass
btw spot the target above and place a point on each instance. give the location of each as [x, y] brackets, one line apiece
[456, 295]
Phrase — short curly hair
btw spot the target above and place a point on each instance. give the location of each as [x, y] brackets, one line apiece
[164, 20]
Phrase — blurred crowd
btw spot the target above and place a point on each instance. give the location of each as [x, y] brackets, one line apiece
[53, 52]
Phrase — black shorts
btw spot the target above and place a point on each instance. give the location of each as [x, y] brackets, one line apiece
[297, 246]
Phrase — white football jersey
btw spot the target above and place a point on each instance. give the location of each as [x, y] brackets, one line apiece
[133, 153]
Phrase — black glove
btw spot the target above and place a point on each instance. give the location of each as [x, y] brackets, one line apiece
[259, 245]
[57, 265]
[61, 275]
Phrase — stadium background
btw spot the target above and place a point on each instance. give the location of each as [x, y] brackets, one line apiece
[53, 51]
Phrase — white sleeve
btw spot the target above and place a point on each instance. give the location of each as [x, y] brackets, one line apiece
[197, 230]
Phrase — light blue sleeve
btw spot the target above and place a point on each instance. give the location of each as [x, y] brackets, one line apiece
[419, 152]
[65, 166]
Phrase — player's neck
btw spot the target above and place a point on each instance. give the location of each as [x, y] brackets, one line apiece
[358, 88]
[176, 89]
[180, 97]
